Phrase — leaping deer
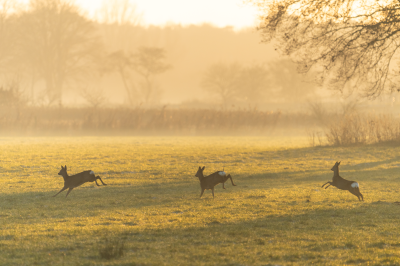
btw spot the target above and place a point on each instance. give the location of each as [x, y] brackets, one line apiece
[76, 180]
[343, 184]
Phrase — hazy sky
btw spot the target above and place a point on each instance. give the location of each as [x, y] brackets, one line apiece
[220, 13]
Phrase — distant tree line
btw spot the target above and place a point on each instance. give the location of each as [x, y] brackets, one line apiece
[53, 45]
[251, 85]
[50, 48]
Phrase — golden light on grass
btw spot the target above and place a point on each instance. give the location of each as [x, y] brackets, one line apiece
[276, 214]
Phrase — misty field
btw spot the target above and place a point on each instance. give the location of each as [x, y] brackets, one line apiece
[151, 211]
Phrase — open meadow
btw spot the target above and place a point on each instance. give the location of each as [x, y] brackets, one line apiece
[151, 211]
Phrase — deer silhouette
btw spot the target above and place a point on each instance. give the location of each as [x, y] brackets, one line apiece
[210, 181]
[343, 184]
[76, 180]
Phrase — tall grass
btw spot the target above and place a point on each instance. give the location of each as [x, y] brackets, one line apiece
[29, 120]
[336, 128]
[351, 126]
[356, 128]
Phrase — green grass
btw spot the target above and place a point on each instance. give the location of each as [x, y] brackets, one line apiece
[276, 215]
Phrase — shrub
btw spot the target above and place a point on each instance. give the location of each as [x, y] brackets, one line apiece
[111, 248]
[356, 128]
[10, 97]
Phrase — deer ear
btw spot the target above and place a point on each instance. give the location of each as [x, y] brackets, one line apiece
[65, 167]
[62, 167]
[203, 168]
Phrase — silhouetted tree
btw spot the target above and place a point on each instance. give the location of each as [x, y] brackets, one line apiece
[223, 80]
[121, 62]
[353, 43]
[8, 37]
[149, 62]
[235, 83]
[254, 84]
[118, 20]
[138, 72]
[59, 43]
[287, 84]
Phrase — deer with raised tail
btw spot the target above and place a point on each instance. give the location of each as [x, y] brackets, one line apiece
[76, 180]
[343, 184]
[210, 181]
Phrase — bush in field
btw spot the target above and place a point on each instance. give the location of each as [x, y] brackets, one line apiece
[349, 126]
[356, 128]
[10, 97]
[111, 248]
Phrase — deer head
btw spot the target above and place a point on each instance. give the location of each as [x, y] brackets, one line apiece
[336, 166]
[63, 171]
[199, 173]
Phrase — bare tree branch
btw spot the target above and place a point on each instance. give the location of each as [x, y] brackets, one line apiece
[353, 43]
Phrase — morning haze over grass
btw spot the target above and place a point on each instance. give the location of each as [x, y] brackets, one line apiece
[277, 213]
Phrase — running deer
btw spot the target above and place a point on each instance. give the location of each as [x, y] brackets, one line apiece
[343, 184]
[210, 181]
[74, 181]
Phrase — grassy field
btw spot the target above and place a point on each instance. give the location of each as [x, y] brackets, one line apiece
[276, 215]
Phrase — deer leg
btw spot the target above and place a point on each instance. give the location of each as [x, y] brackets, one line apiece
[327, 186]
[69, 191]
[326, 183]
[361, 195]
[212, 192]
[231, 180]
[202, 191]
[223, 180]
[354, 192]
[357, 190]
[64, 188]
[98, 177]
[96, 182]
